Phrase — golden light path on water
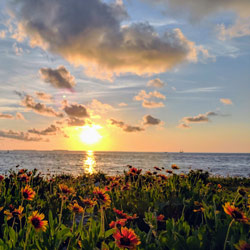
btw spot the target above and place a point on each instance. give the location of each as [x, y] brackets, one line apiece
[89, 163]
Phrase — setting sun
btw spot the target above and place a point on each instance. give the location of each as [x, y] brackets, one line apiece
[90, 134]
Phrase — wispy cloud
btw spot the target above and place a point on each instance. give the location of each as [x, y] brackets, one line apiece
[201, 90]
[125, 127]
[226, 101]
[17, 135]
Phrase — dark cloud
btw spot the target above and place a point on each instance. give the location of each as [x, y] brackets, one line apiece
[89, 33]
[58, 78]
[200, 118]
[157, 83]
[51, 130]
[125, 127]
[75, 110]
[39, 108]
[196, 119]
[150, 120]
[18, 135]
[75, 122]
[44, 96]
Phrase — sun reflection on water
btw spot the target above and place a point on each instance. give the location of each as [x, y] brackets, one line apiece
[89, 163]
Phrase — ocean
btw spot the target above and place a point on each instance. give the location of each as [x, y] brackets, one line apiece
[113, 163]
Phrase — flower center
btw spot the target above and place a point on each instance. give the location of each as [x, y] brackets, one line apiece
[125, 241]
[35, 222]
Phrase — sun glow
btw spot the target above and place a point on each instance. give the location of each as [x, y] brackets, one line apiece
[90, 134]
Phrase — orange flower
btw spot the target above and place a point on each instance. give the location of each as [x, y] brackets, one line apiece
[102, 197]
[120, 222]
[174, 166]
[75, 208]
[14, 213]
[242, 245]
[126, 238]
[28, 193]
[36, 220]
[235, 213]
[87, 202]
[169, 171]
[219, 186]
[65, 189]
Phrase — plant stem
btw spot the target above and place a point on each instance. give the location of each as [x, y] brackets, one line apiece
[228, 230]
[27, 236]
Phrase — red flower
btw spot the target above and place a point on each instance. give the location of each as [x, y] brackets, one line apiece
[235, 213]
[126, 238]
[36, 220]
[28, 193]
[101, 196]
[169, 171]
[65, 189]
[120, 223]
[134, 171]
[160, 217]
[87, 202]
[23, 177]
[1, 178]
[242, 245]
[156, 168]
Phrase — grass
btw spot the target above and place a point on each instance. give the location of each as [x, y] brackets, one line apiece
[133, 211]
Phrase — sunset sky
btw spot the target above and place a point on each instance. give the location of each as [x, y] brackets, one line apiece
[132, 75]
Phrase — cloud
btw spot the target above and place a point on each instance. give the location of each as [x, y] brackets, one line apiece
[125, 127]
[22, 136]
[157, 83]
[150, 120]
[142, 95]
[151, 104]
[43, 96]
[18, 50]
[239, 29]
[145, 98]
[183, 126]
[226, 101]
[75, 122]
[199, 118]
[6, 116]
[122, 104]
[51, 130]
[38, 107]
[197, 9]
[75, 110]
[100, 107]
[90, 34]
[2, 34]
[19, 116]
[58, 78]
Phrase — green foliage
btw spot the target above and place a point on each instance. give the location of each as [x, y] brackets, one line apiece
[191, 209]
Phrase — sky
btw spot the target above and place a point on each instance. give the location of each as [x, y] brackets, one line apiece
[131, 75]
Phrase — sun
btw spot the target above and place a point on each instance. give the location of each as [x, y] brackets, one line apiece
[90, 135]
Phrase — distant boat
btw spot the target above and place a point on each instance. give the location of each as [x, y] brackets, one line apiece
[181, 151]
